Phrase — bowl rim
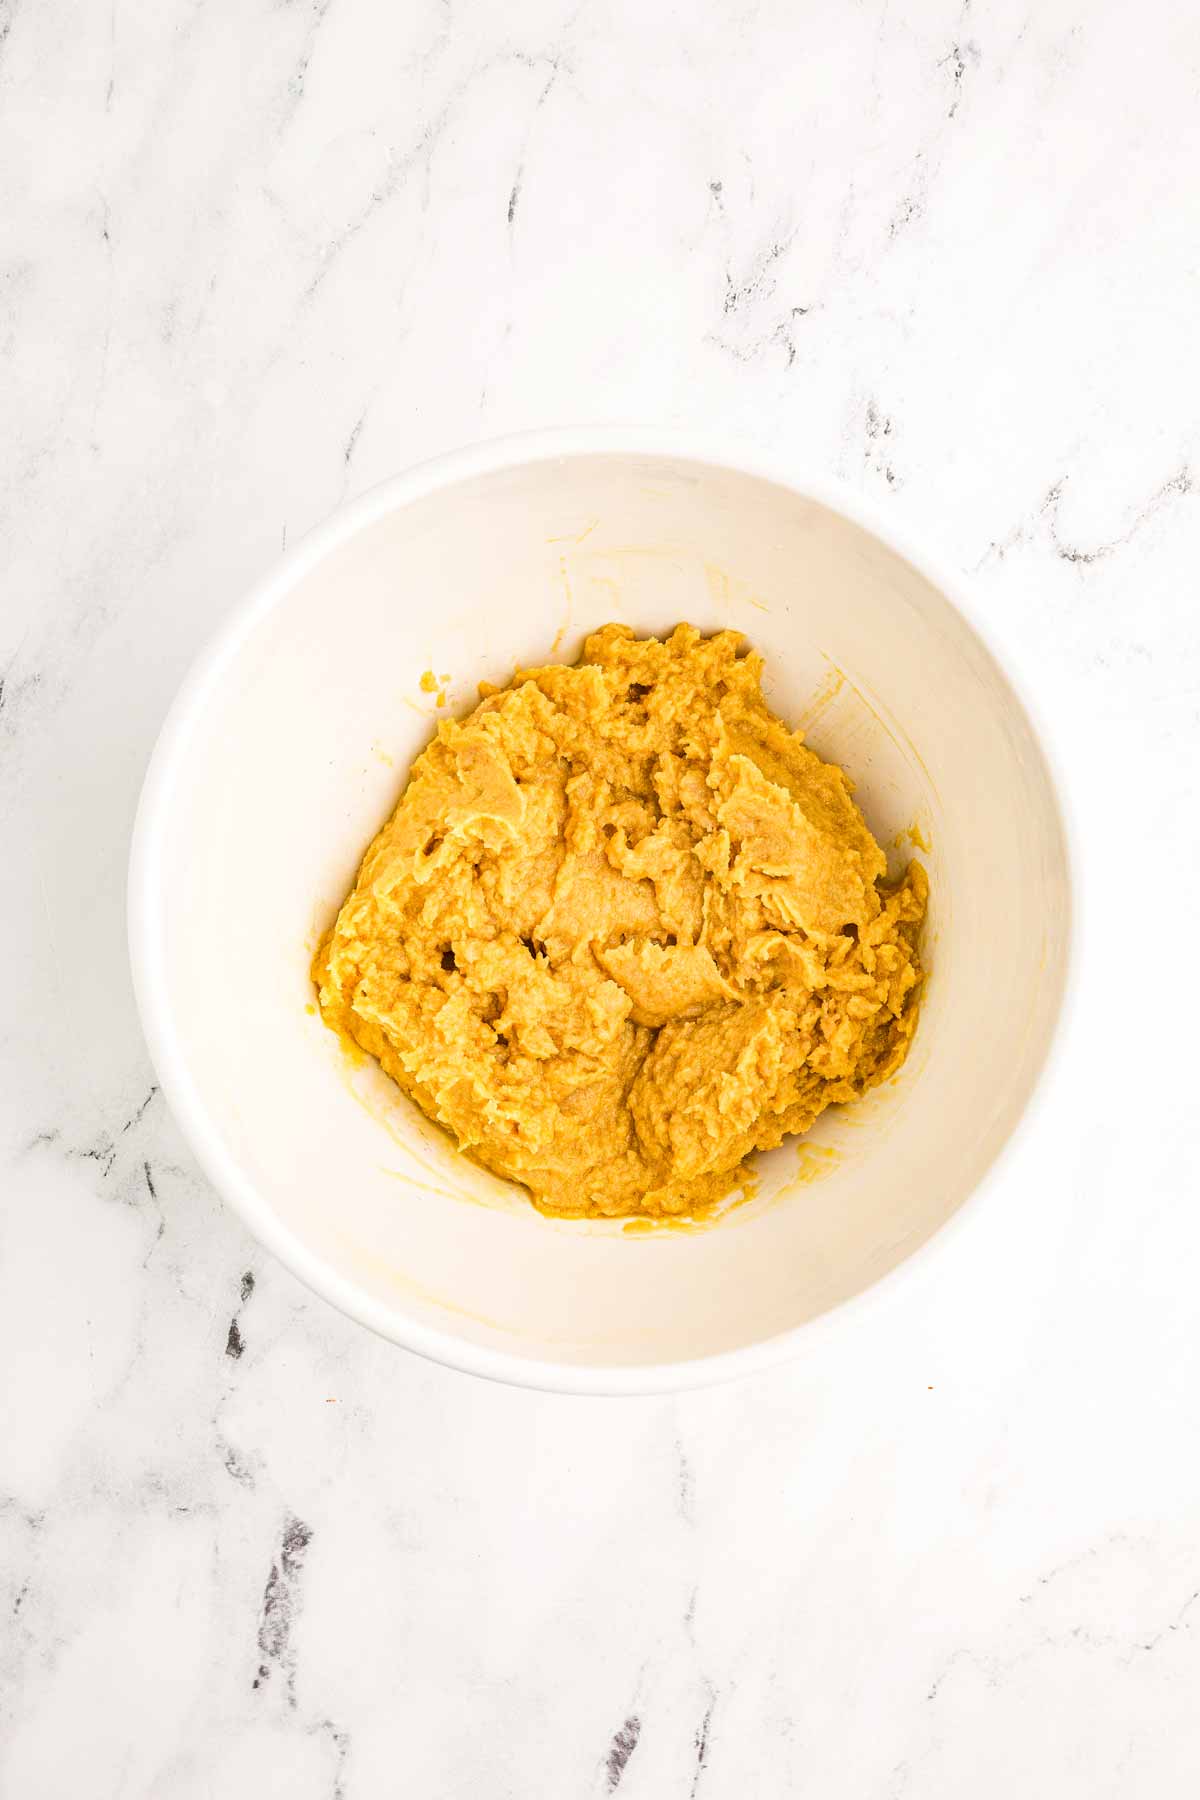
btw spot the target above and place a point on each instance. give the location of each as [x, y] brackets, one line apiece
[145, 912]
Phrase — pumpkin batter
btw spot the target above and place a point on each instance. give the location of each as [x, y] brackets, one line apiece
[624, 929]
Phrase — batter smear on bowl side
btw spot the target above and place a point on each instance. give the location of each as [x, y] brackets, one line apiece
[624, 929]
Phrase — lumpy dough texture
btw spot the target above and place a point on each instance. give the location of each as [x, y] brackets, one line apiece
[624, 929]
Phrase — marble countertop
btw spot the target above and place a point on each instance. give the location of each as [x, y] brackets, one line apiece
[253, 258]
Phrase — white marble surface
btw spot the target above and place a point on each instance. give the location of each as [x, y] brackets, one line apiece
[255, 257]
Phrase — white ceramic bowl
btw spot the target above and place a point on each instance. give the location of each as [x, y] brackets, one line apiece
[287, 748]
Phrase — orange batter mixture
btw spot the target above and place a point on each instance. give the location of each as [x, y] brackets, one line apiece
[624, 929]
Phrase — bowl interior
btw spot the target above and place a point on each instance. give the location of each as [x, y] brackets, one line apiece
[293, 749]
